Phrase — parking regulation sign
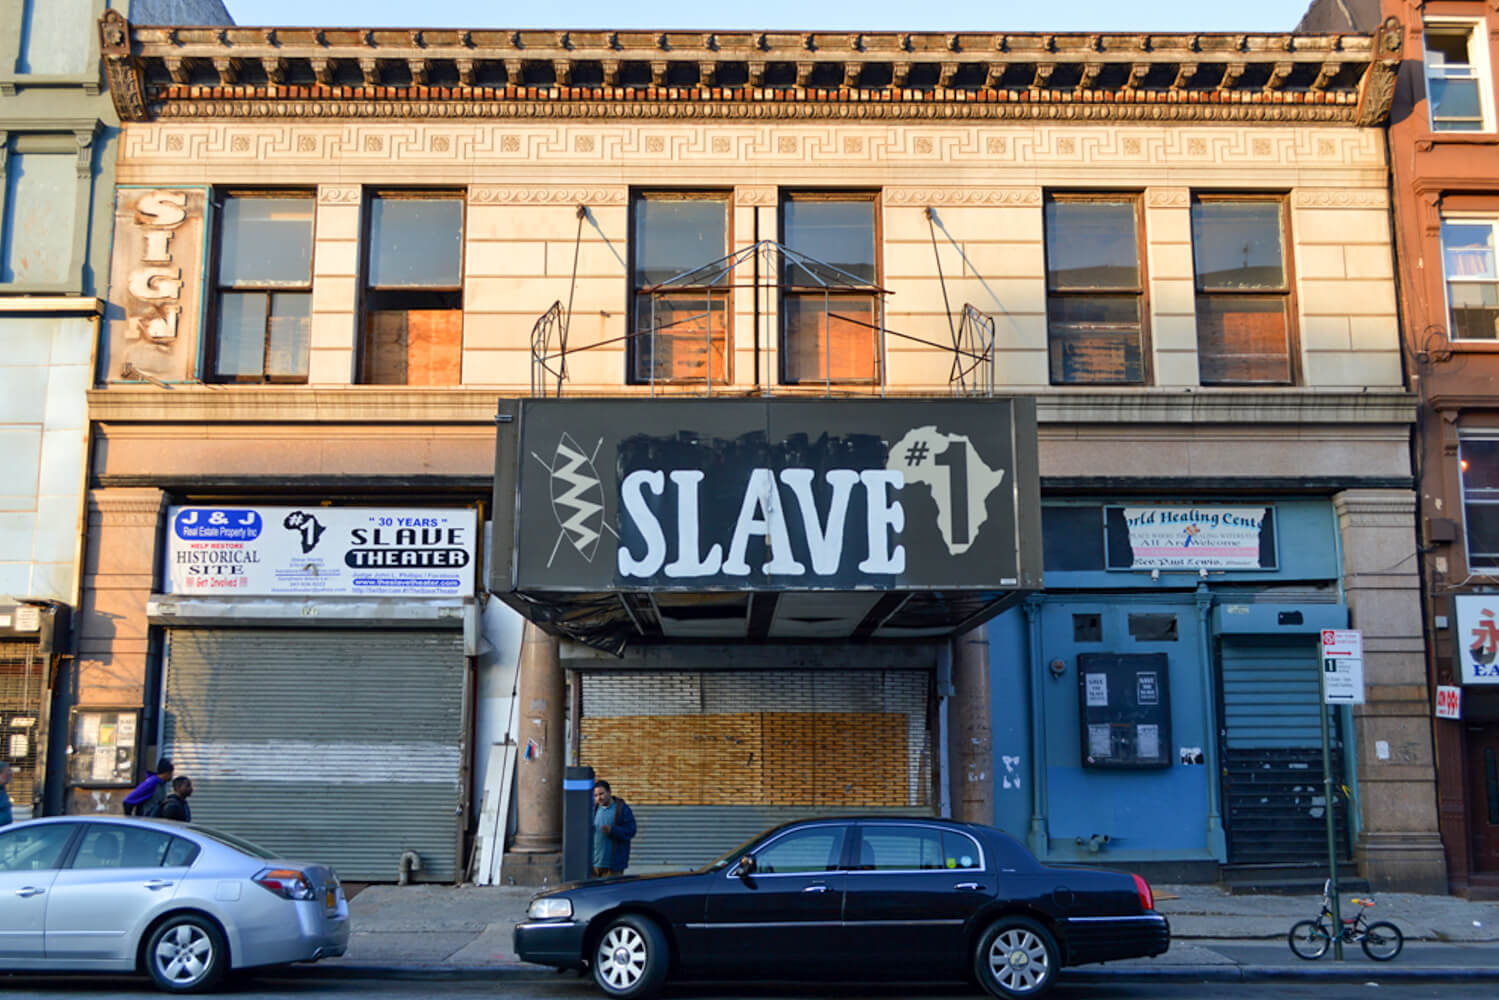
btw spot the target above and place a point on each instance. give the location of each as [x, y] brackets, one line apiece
[1342, 666]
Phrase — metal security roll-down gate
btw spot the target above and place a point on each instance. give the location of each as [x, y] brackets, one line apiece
[337, 745]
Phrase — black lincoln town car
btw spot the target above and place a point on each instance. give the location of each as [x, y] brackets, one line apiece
[867, 899]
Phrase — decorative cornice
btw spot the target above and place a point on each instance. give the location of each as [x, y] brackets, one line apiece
[1377, 88]
[1168, 197]
[215, 72]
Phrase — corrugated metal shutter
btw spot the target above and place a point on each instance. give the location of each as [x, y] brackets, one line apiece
[1272, 753]
[336, 746]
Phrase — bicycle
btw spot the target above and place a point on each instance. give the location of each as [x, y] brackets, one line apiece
[1310, 939]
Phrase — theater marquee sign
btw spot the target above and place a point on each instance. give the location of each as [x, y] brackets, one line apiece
[662, 496]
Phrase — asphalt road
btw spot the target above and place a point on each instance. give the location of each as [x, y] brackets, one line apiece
[569, 987]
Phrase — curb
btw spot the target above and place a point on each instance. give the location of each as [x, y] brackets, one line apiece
[1172, 973]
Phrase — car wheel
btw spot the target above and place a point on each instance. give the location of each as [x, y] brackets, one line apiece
[1017, 957]
[186, 954]
[630, 958]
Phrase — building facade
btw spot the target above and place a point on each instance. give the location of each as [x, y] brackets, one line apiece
[1446, 184]
[337, 249]
[57, 155]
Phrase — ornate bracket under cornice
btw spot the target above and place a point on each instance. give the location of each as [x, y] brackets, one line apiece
[187, 72]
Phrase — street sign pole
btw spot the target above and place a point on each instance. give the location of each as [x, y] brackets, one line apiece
[1332, 834]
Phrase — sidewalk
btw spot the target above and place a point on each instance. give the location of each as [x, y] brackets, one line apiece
[464, 932]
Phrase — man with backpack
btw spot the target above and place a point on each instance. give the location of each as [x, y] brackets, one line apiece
[174, 806]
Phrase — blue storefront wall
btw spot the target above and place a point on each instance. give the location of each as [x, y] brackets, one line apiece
[1171, 813]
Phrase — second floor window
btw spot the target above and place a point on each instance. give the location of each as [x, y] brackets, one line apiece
[1457, 95]
[1472, 281]
[830, 310]
[681, 311]
[263, 289]
[1094, 290]
[1243, 291]
[413, 296]
[1479, 462]
[38, 181]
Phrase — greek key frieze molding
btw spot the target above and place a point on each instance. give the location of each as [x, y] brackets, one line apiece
[486, 194]
[1340, 198]
[1020, 197]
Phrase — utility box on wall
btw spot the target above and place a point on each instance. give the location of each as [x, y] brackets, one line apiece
[1124, 710]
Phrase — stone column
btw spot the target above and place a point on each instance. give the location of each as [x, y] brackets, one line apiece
[535, 858]
[1399, 847]
[971, 739]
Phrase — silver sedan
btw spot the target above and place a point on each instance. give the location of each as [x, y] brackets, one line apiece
[183, 903]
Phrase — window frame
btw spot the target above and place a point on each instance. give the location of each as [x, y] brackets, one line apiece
[218, 200]
[369, 293]
[55, 136]
[1285, 294]
[1489, 435]
[874, 292]
[1477, 34]
[857, 848]
[636, 339]
[1141, 289]
[1491, 219]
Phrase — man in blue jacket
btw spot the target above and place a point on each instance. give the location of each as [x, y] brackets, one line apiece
[613, 826]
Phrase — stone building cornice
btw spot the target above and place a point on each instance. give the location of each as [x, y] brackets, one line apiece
[186, 72]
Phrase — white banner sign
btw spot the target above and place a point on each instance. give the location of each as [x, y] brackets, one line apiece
[335, 551]
[1343, 666]
[1477, 638]
[1449, 701]
[1195, 537]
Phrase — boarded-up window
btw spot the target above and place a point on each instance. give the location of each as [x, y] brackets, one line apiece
[412, 332]
[681, 287]
[40, 191]
[263, 288]
[1244, 331]
[1094, 289]
[830, 303]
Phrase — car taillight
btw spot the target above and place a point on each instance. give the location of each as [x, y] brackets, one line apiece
[1142, 889]
[287, 883]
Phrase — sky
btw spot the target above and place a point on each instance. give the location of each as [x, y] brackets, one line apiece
[865, 15]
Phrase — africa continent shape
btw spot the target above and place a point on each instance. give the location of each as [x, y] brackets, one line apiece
[915, 457]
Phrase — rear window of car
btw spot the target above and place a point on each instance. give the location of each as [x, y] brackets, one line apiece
[915, 848]
[230, 840]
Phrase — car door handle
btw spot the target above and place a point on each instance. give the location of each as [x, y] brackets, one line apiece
[968, 886]
[815, 888]
[27, 891]
[159, 883]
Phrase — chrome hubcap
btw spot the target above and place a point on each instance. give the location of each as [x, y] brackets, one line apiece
[1018, 961]
[183, 954]
[622, 957]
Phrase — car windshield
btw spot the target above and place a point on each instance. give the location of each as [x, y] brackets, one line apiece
[239, 844]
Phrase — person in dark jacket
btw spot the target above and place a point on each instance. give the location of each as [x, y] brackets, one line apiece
[150, 793]
[613, 826]
[174, 806]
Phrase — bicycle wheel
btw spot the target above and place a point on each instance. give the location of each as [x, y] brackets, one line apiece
[1383, 941]
[1309, 939]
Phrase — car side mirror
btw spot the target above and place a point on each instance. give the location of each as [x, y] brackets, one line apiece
[744, 867]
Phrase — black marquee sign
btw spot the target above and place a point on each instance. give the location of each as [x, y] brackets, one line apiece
[599, 497]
